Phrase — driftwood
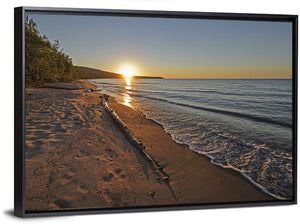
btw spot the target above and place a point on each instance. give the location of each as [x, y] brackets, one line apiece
[129, 135]
[105, 97]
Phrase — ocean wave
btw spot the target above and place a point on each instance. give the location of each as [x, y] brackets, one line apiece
[261, 165]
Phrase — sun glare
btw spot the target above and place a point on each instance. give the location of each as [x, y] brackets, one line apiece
[128, 71]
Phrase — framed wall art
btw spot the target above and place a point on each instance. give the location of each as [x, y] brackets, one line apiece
[122, 110]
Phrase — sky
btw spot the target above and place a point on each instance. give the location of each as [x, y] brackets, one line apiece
[174, 48]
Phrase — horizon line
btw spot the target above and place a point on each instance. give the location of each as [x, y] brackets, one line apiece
[178, 78]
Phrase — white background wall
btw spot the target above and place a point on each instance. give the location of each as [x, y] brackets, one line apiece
[277, 214]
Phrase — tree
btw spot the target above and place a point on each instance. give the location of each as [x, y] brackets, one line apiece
[45, 61]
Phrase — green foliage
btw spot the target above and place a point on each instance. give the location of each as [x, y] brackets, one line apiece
[45, 61]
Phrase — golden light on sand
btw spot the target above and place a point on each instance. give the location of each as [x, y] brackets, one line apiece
[128, 71]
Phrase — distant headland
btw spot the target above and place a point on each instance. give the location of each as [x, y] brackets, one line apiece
[92, 73]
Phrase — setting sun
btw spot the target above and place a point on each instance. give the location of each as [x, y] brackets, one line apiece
[128, 71]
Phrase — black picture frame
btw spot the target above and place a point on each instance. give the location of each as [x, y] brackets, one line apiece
[19, 103]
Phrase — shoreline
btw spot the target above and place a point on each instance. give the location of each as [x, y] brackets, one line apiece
[205, 157]
[119, 99]
[77, 158]
[230, 169]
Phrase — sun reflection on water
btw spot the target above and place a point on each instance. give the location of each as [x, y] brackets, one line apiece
[127, 98]
[128, 82]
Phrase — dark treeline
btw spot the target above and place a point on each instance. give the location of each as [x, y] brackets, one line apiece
[46, 61]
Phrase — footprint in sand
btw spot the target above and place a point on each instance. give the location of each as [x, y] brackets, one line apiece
[117, 171]
[115, 198]
[61, 203]
[111, 153]
[82, 189]
[108, 178]
[85, 152]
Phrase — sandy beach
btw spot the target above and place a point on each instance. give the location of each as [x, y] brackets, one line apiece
[78, 158]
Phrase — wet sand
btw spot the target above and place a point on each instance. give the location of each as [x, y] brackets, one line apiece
[78, 158]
